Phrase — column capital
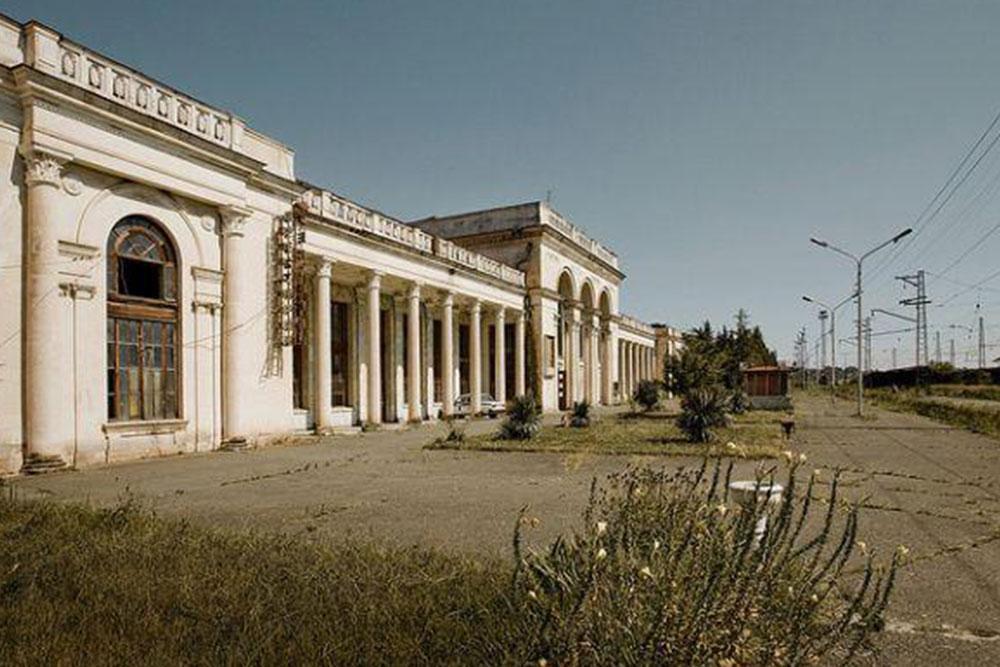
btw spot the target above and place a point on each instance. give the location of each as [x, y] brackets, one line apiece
[43, 167]
[476, 306]
[374, 280]
[234, 219]
[413, 291]
[323, 267]
[500, 313]
[448, 299]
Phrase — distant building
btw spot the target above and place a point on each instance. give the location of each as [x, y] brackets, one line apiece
[767, 387]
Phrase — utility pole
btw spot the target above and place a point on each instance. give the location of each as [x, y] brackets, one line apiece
[858, 261]
[920, 301]
[894, 357]
[822, 337]
[951, 352]
[800, 344]
[868, 344]
[937, 346]
[982, 343]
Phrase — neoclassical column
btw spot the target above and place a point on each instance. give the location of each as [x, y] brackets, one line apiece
[500, 358]
[322, 375]
[607, 368]
[519, 388]
[448, 354]
[594, 360]
[476, 356]
[237, 370]
[571, 363]
[413, 354]
[48, 428]
[374, 348]
[636, 369]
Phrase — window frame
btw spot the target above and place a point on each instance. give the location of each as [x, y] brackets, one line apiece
[146, 313]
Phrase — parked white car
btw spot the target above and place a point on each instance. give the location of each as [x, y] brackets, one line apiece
[490, 406]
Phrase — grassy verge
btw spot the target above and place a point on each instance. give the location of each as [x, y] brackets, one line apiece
[754, 435]
[666, 569]
[979, 392]
[968, 416]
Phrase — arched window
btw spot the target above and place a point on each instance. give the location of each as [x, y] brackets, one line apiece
[142, 322]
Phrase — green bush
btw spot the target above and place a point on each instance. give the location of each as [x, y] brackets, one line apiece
[668, 572]
[739, 402]
[580, 416]
[702, 410]
[647, 394]
[523, 420]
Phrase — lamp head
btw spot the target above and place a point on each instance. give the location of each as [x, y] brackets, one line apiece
[821, 244]
[900, 235]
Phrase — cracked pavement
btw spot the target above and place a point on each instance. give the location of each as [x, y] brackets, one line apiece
[930, 487]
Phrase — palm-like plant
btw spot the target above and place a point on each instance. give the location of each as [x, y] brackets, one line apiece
[580, 418]
[702, 410]
[523, 419]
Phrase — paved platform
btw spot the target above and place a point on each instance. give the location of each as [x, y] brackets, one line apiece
[930, 487]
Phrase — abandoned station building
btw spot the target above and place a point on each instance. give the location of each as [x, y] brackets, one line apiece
[169, 285]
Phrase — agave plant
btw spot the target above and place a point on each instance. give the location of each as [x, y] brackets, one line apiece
[523, 419]
[739, 402]
[702, 410]
[580, 417]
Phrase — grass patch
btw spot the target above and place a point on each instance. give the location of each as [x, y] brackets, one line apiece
[756, 435]
[979, 392]
[971, 417]
[666, 569]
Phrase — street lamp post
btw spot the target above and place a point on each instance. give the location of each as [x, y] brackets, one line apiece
[833, 334]
[858, 261]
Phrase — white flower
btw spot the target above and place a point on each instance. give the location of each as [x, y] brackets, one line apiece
[721, 509]
[902, 551]
[533, 595]
[730, 445]
[542, 662]
[601, 554]
[656, 545]
[602, 527]
[646, 572]
[802, 458]
[863, 547]
[814, 598]
[788, 455]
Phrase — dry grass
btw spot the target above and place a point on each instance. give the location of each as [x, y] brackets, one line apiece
[756, 435]
[658, 575]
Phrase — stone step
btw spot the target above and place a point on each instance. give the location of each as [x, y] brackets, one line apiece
[37, 464]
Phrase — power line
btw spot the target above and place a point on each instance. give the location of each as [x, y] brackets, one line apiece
[937, 203]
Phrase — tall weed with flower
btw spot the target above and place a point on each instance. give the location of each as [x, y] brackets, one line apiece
[669, 571]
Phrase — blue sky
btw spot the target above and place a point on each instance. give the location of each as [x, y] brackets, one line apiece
[704, 141]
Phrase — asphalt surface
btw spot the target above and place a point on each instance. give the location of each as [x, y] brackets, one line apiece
[932, 488]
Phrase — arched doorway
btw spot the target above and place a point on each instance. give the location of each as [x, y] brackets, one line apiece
[143, 322]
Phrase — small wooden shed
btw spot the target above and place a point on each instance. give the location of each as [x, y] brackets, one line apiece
[767, 387]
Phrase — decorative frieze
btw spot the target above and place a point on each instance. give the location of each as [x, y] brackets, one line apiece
[553, 219]
[338, 210]
[103, 77]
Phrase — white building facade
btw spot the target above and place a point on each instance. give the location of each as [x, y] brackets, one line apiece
[170, 286]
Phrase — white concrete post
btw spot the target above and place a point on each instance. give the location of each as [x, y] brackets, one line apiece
[595, 362]
[607, 367]
[500, 358]
[374, 348]
[237, 381]
[321, 343]
[519, 388]
[48, 428]
[413, 355]
[571, 362]
[476, 357]
[448, 354]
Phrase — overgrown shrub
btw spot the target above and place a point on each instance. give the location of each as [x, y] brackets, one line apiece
[702, 410]
[580, 416]
[456, 433]
[647, 394]
[667, 571]
[523, 420]
[739, 402]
